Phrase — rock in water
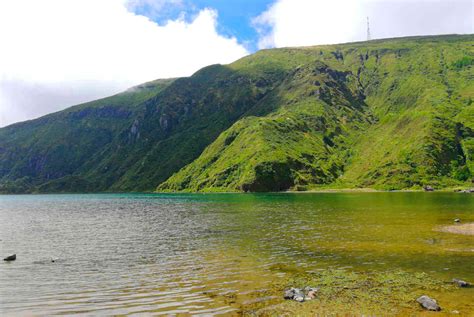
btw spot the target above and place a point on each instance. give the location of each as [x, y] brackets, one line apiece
[299, 298]
[10, 258]
[310, 292]
[294, 294]
[290, 293]
[311, 295]
[428, 303]
[461, 283]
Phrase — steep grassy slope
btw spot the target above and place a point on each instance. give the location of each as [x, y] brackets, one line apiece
[178, 124]
[388, 114]
[304, 141]
[415, 127]
[423, 100]
[135, 151]
[56, 146]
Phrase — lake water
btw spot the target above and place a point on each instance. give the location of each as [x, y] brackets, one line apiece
[215, 253]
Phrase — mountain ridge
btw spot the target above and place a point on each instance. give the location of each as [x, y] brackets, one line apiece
[386, 114]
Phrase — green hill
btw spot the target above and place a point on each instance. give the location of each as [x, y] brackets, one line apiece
[385, 114]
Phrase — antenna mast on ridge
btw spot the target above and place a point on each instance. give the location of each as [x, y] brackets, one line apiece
[368, 30]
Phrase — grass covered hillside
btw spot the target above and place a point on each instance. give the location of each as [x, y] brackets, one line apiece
[304, 140]
[389, 114]
[385, 114]
[48, 152]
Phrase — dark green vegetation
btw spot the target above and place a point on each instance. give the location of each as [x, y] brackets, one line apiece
[386, 114]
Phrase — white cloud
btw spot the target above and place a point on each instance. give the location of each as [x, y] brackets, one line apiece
[311, 22]
[79, 46]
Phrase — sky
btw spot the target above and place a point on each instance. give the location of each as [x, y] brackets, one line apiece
[58, 53]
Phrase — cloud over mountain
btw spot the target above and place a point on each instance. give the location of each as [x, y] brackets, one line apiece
[79, 45]
[311, 22]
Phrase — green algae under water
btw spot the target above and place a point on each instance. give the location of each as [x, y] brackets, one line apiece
[231, 254]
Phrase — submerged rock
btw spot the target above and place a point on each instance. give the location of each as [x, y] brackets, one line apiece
[428, 303]
[461, 283]
[10, 258]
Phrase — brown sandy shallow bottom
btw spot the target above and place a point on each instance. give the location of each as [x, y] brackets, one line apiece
[349, 293]
[466, 228]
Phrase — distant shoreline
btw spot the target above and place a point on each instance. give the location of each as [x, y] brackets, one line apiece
[309, 191]
[371, 190]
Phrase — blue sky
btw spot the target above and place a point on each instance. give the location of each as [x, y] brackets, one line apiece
[234, 16]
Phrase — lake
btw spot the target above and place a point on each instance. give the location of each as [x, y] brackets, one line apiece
[212, 254]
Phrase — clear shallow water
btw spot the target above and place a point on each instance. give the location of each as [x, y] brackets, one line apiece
[211, 254]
